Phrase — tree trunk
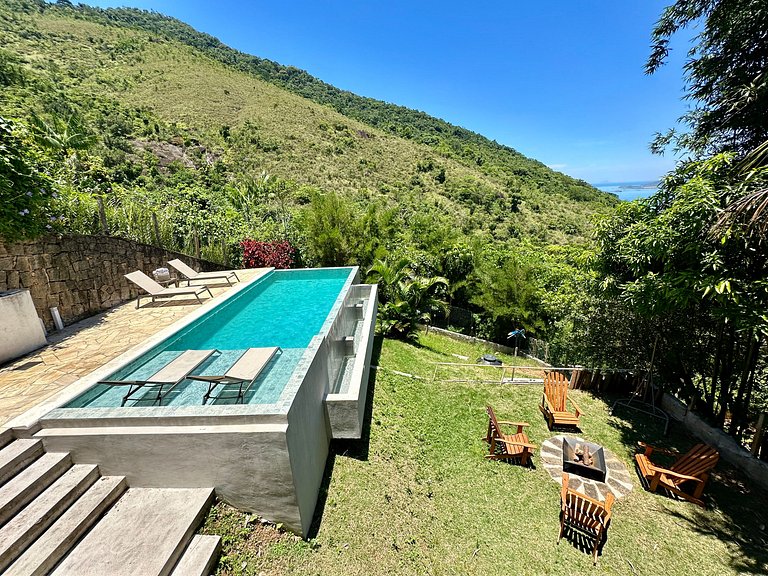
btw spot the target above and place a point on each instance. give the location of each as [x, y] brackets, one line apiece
[740, 405]
[715, 370]
[726, 377]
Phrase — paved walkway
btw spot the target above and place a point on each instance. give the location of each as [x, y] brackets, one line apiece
[86, 345]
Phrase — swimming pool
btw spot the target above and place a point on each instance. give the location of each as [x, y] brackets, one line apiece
[284, 308]
[266, 456]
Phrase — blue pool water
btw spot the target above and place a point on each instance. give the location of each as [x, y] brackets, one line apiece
[285, 308]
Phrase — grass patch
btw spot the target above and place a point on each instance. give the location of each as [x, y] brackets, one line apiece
[417, 497]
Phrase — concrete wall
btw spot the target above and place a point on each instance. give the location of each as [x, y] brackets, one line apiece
[729, 449]
[247, 464]
[20, 328]
[81, 275]
[346, 409]
[307, 438]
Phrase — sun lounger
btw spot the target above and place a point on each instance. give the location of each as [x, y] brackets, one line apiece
[191, 274]
[243, 372]
[170, 375]
[156, 291]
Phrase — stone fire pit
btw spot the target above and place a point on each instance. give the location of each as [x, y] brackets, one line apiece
[618, 480]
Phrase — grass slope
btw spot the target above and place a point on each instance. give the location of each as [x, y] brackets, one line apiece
[94, 58]
[417, 496]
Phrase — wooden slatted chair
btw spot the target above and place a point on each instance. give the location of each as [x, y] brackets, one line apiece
[590, 517]
[507, 446]
[689, 471]
[553, 402]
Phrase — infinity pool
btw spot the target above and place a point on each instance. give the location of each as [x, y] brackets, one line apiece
[285, 308]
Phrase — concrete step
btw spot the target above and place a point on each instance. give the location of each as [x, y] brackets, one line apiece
[28, 483]
[32, 521]
[6, 437]
[200, 557]
[17, 455]
[144, 533]
[45, 552]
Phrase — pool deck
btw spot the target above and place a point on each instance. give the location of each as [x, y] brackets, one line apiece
[86, 345]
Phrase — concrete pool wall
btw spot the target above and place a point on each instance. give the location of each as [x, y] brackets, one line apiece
[268, 459]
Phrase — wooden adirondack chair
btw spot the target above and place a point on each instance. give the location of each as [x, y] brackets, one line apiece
[507, 446]
[588, 516]
[691, 470]
[553, 402]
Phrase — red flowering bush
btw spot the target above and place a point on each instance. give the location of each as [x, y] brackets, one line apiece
[278, 254]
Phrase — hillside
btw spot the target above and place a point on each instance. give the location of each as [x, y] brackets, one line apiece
[148, 85]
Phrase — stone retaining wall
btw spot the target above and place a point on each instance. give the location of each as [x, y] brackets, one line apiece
[729, 449]
[81, 275]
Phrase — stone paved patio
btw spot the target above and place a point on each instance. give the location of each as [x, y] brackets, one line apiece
[617, 481]
[84, 346]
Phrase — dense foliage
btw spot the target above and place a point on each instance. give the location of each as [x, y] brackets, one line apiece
[131, 123]
[726, 73]
[406, 299]
[25, 191]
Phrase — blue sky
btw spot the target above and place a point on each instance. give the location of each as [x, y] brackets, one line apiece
[560, 81]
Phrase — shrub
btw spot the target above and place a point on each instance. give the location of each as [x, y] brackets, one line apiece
[277, 254]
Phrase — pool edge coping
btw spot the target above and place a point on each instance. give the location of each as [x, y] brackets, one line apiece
[33, 415]
[53, 410]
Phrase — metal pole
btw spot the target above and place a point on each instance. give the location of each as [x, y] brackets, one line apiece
[102, 215]
[157, 229]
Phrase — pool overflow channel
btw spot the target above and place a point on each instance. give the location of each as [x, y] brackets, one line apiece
[263, 450]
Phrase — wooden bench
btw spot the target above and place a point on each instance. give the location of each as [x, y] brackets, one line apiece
[507, 446]
[553, 402]
[690, 471]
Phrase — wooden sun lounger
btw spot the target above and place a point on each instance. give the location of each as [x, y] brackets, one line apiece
[243, 372]
[171, 375]
[156, 291]
[191, 274]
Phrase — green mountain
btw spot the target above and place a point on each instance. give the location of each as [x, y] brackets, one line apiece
[168, 106]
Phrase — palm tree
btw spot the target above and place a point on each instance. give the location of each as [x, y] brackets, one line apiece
[406, 298]
[388, 275]
[67, 137]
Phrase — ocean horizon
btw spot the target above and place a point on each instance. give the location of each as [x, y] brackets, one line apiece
[629, 190]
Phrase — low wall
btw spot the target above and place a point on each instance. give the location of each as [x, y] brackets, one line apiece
[81, 275]
[729, 449]
[20, 330]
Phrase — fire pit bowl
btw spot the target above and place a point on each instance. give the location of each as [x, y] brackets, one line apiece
[584, 459]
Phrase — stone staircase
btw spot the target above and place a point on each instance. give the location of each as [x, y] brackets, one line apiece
[61, 518]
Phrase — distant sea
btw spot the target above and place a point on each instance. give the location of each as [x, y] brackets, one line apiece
[629, 190]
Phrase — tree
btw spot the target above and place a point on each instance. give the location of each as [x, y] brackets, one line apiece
[704, 292]
[726, 74]
[406, 298]
[330, 225]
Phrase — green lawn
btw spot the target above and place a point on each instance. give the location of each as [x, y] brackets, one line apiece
[416, 496]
